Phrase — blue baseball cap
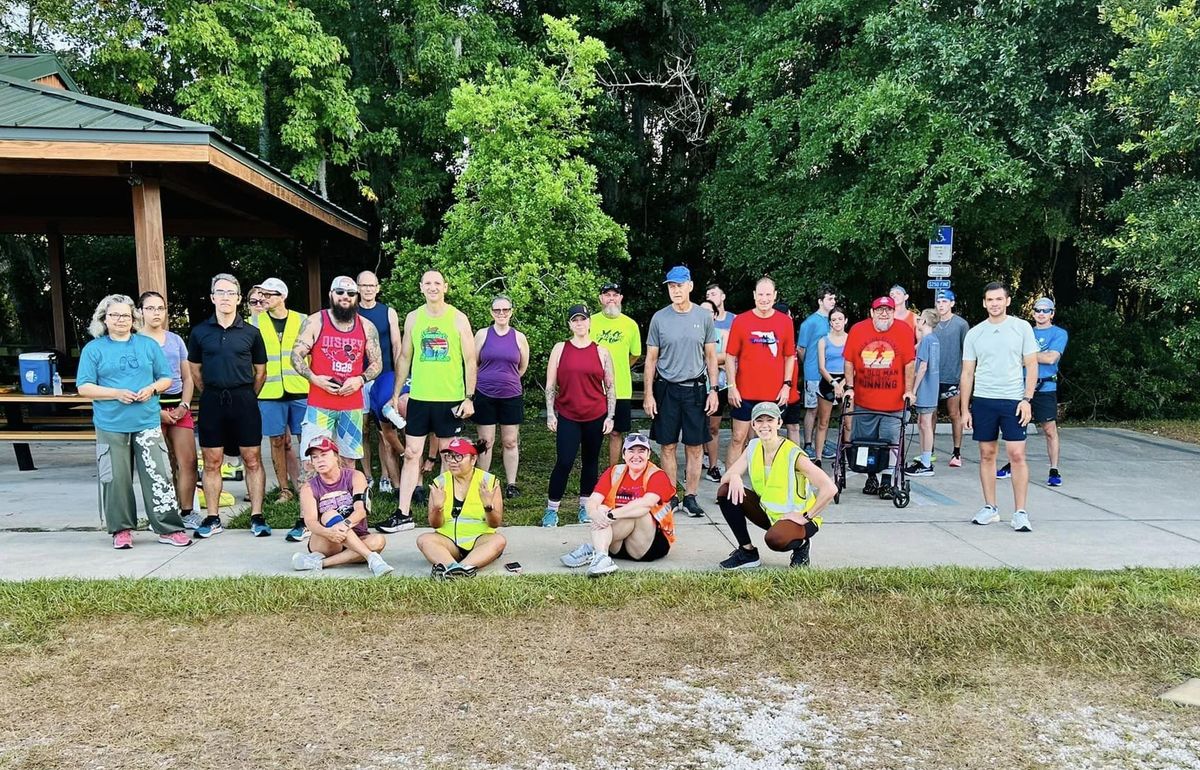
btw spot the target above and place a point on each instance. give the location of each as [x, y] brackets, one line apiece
[678, 274]
[945, 294]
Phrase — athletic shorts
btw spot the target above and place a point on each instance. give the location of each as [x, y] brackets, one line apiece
[947, 390]
[680, 413]
[876, 426]
[659, 548]
[925, 409]
[623, 416]
[229, 418]
[811, 393]
[826, 388]
[498, 411]
[722, 403]
[280, 416]
[793, 413]
[995, 417]
[345, 427]
[742, 413]
[1045, 406]
[377, 394]
[169, 401]
[436, 417]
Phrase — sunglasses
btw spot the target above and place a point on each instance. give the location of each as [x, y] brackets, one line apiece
[502, 310]
[1040, 310]
[345, 293]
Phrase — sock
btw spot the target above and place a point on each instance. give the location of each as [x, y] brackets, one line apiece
[583, 502]
[552, 505]
[957, 451]
[927, 459]
[1054, 472]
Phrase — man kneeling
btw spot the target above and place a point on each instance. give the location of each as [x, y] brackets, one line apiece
[333, 506]
[630, 511]
[465, 507]
[781, 498]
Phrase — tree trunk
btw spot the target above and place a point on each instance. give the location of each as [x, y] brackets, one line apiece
[321, 181]
[1066, 273]
[264, 125]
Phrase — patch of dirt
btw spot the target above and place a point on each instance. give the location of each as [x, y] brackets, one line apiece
[555, 689]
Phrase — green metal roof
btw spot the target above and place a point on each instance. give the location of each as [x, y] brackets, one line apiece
[31, 66]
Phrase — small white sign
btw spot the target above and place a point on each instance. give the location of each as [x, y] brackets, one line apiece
[940, 252]
[939, 271]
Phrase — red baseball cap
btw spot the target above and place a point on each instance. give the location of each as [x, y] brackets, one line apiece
[460, 446]
[320, 444]
[883, 302]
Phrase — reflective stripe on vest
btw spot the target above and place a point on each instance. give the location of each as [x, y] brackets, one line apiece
[281, 376]
[786, 490]
[472, 522]
[663, 514]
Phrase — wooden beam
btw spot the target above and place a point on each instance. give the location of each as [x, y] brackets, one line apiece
[148, 236]
[172, 227]
[310, 250]
[37, 167]
[150, 153]
[57, 289]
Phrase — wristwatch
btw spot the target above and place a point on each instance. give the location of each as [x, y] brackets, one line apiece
[610, 516]
[185, 405]
[470, 396]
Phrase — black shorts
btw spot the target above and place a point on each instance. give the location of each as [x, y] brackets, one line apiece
[1044, 406]
[496, 411]
[658, 549]
[722, 403]
[742, 413]
[993, 418]
[436, 417]
[794, 413]
[623, 416]
[947, 390]
[680, 412]
[229, 418]
[825, 389]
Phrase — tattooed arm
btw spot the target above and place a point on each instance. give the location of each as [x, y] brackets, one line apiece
[610, 390]
[374, 353]
[304, 345]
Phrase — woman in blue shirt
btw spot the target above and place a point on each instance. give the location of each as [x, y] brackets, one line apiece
[123, 373]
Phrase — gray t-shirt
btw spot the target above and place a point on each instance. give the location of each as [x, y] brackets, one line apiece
[998, 351]
[680, 339]
[951, 334]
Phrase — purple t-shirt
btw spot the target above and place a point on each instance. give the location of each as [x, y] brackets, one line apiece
[174, 348]
[337, 497]
[499, 365]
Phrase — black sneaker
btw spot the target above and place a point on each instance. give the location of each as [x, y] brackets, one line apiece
[398, 522]
[714, 474]
[512, 491]
[438, 572]
[872, 486]
[800, 555]
[885, 488]
[419, 496]
[460, 571]
[918, 468]
[691, 507]
[742, 558]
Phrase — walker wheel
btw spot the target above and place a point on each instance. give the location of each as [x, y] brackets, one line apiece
[902, 498]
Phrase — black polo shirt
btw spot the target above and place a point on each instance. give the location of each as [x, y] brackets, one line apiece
[226, 355]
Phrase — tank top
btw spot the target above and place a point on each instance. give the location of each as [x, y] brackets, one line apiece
[339, 355]
[378, 316]
[499, 365]
[336, 497]
[580, 395]
[437, 366]
[835, 356]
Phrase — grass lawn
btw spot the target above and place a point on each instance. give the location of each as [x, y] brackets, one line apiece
[1179, 429]
[815, 669]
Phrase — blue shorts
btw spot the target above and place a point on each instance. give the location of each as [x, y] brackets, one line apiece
[379, 393]
[279, 416]
[995, 417]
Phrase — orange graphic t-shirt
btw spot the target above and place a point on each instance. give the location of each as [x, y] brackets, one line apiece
[879, 359]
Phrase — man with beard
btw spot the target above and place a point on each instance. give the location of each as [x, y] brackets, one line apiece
[880, 371]
[339, 353]
[619, 334]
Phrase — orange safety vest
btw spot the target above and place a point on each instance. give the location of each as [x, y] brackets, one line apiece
[662, 513]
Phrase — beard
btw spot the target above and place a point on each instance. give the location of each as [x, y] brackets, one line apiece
[882, 326]
[611, 311]
[343, 314]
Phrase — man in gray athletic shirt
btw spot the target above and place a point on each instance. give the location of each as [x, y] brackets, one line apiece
[950, 332]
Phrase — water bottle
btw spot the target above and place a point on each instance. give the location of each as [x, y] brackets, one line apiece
[57, 384]
[394, 417]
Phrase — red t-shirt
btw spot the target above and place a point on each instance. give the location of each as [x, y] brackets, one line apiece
[762, 347]
[631, 489]
[879, 359]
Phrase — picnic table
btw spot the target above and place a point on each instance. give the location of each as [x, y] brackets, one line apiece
[69, 420]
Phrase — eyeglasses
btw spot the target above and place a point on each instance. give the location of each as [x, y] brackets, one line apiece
[256, 302]
[502, 310]
[153, 308]
[226, 293]
[272, 294]
[118, 316]
[345, 292]
[452, 457]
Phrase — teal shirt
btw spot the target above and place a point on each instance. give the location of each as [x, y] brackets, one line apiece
[129, 365]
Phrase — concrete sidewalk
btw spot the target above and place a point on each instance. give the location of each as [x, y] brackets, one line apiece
[1125, 502]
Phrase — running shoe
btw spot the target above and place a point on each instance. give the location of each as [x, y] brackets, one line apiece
[1020, 521]
[817, 463]
[955, 461]
[192, 520]
[398, 522]
[808, 450]
[583, 515]
[438, 572]
[691, 507]
[232, 472]
[297, 533]
[209, 527]
[550, 518]
[986, 515]
[1055, 479]
[918, 468]
[830, 453]
[456, 571]
[800, 555]
[580, 557]
[741, 558]
[370, 481]
[286, 495]
[714, 474]
[123, 540]
[177, 539]
[419, 495]
[385, 486]
[872, 485]
[511, 491]
[1005, 472]
[886, 491]
[304, 560]
[378, 566]
[259, 526]
[602, 564]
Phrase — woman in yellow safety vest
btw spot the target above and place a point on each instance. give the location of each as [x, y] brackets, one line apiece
[466, 505]
[787, 492]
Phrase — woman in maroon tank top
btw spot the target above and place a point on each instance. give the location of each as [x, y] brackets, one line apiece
[580, 402]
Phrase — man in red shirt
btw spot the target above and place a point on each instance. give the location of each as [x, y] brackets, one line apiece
[760, 359]
[880, 369]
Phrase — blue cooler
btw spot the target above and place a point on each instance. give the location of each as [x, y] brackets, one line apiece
[37, 373]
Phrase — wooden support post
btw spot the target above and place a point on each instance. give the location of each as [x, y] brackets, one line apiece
[148, 236]
[310, 250]
[58, 290]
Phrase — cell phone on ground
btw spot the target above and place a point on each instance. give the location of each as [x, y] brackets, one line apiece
[514, 567]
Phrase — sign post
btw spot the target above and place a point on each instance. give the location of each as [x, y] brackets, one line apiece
[941, 252]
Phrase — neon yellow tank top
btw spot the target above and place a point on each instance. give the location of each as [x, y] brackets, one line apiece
[437, 367]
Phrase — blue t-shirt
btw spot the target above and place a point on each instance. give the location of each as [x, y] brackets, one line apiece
[813, 329]
[1050, 338]
[929, 351]
[129, 365]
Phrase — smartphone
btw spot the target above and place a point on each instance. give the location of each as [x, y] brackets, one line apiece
[514, 567]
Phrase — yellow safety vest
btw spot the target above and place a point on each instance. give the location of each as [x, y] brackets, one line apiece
[472, 522]
[786, 490]
[281, 377]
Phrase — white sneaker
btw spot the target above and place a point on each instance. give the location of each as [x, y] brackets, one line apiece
[192, 521]
[378, 566]
[385, 486]
[988, 514]
[1020, 521]
[601, 565]
[580, 557]
[303, 561]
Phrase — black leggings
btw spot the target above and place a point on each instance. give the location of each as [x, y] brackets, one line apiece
[783, 535]
[571, 437]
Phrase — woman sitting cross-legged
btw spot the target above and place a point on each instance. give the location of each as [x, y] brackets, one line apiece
[466, 505]
[787, 491]
[630, 511]
[333, 506]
